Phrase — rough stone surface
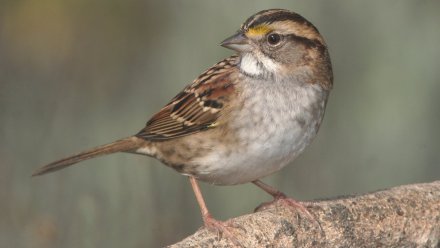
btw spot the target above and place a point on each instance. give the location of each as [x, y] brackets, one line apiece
[404, 216]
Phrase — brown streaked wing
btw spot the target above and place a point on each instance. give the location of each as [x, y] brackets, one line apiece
[196, 108]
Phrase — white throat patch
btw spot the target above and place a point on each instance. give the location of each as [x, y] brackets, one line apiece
[254, 67]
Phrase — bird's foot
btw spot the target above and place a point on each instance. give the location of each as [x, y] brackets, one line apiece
[281, 198]
[222, 229]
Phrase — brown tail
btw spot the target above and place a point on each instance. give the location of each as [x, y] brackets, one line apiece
[122, 145]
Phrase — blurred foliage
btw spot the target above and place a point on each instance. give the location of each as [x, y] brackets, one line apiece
[75, 74]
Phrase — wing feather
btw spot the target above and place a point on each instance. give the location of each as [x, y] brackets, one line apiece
[197, 107]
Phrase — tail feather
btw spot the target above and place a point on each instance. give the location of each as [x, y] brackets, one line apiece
[123, 145]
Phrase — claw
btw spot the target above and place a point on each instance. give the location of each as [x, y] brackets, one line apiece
[281, 197]
[221, 228]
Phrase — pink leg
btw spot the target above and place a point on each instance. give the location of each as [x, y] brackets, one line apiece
[280, 196]
[210, 223]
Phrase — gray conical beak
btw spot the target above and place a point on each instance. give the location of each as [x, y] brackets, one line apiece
[238, 42]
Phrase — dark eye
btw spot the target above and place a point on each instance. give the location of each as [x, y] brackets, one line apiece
[273, 39]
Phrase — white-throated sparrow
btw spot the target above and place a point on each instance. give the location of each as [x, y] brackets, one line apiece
[244, 118]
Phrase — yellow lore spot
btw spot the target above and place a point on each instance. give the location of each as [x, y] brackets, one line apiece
[258, 30]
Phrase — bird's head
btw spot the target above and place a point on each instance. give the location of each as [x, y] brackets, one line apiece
[275, 42]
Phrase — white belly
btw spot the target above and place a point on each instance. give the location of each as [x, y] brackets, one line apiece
[273, 133]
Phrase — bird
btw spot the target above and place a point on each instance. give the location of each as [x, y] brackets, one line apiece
[244, 118]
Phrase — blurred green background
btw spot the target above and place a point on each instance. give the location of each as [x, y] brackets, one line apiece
[79, 73]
